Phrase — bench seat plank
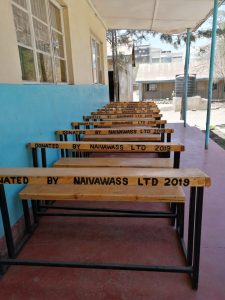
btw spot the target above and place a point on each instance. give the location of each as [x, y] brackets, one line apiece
[114, 162]
[124, 137]
[99, 193]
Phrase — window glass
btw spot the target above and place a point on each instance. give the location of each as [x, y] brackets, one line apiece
[27, 63]
[151, 87]
[41, 36]
[155, 59]
[60, 69]
[45, 68]
[21, 21]
[94, 60]
[39, 9]
[58, 44]
[97, 64]
[55, 17]
[22, 3]
[166, 59]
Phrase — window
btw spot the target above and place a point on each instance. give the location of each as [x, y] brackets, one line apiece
[40, 39]
[177, 58]
[155, 60]
[151, 87]
[214, 86]
[166, 59]
[97, 62]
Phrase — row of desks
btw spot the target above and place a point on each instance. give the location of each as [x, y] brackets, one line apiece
[125, 129]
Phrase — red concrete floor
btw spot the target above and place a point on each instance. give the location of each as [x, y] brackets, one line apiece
[129, 241]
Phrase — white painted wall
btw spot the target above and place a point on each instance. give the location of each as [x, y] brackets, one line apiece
[10, 71]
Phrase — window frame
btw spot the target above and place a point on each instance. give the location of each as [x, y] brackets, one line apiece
[149, 87]
[99, 75]
[33, 46]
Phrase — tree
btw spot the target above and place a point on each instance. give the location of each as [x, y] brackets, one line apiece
[116, 38]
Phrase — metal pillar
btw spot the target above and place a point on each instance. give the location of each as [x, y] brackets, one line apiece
[211, 70]
[188, 42]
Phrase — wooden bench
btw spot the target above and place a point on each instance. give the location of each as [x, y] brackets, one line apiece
[150, 117]
[106, 147]
[119, 123]
[134, 104]
[104, 133]
[125, 111]
[121, 112]
[108, 184]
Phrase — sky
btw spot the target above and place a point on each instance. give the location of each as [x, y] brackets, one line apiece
[155, 42]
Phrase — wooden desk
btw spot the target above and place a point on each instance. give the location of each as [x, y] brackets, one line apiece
[111, 183]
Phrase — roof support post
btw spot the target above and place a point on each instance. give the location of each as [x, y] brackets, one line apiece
[211, 70]
[187, 59]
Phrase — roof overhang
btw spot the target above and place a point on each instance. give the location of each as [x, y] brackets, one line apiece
[165, 16]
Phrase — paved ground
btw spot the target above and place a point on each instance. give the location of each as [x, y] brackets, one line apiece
[198, 119]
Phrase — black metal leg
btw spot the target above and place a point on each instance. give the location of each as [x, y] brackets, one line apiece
[180, 220]
[191, 225]
[43, 158]
[168, 138]
[197, 236]
[173, 208]
[35, 209]
[66, 139]
[26, 215]
[176, 163]
[6, 223]
[35, 157]
[62, 150]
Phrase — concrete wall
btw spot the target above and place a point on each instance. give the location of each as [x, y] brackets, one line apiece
[10, 71]
[193, 103]
[164, 90]
[84, 23]
[80, 23]
[126, 83]
[33, 113]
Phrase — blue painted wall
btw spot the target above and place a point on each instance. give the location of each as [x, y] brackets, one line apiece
[33, 113]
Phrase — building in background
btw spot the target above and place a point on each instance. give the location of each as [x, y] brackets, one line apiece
[158, 70]
[147, 54]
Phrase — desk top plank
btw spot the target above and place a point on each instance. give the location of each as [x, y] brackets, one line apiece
[118, 130]
[131, 104]
[124, 111]
[105, 176]
[124, 122]
[118, 162]
[135, 147]
[102, 193]
[122, 116]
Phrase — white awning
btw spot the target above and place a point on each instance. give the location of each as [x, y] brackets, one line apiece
[165, 16]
